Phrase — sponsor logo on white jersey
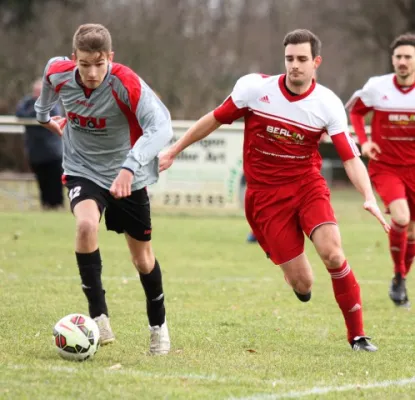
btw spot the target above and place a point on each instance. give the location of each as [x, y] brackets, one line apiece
[402, 118]
[282, 133]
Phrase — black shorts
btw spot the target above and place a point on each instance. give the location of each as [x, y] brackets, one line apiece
[127, 215]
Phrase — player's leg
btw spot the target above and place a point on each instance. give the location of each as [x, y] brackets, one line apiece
[273, 218]
[319, 223]
[410, 247]
[87, 203]
[398, 238]
[132, 217]
[327, 241]
[151, 279]
[299, 276]
[391, 188]
[410, 244]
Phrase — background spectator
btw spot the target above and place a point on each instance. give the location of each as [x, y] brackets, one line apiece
[44, 150]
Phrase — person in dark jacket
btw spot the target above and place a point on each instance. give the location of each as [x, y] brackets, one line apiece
[44, 150]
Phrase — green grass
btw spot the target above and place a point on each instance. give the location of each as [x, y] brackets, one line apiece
[237, 330]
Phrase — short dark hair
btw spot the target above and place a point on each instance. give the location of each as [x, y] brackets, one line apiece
[92, 38]
[304, 36]
[407, 39]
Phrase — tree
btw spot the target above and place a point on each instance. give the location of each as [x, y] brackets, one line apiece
[17, 13]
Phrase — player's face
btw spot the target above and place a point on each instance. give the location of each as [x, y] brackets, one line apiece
[300, 64]
[92, 67]
[403, 60]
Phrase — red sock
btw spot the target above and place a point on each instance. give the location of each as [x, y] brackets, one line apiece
[347, 294]
[409, 255]
[397, 246]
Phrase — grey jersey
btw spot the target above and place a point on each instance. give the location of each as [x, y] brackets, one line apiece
[122, 123]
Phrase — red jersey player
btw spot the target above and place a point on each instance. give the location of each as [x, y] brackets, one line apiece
[391, 151]
[285, 116]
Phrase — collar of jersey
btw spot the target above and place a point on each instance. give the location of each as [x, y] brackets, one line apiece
[298, 97]
[399, 87]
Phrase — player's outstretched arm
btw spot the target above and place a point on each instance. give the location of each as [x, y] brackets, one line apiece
[202, 128]
[357, 173]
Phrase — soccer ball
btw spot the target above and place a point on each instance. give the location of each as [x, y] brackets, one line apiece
[76, 337]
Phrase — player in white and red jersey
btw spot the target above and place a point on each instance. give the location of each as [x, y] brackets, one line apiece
[285, 116]
[114, 130]
[391, 151]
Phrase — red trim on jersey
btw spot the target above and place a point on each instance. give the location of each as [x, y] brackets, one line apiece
[59, 87]
[131, 82]
[345, 146]
[59, 67]
[288, 120]
[135, 128]
[357, 112]
[227, 112]
[289, 96]
[400, 88]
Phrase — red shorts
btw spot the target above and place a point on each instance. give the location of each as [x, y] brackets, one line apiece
[279, 216]
[393, 183]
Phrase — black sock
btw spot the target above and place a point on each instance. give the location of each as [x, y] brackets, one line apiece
[90, 268]
[153, 288]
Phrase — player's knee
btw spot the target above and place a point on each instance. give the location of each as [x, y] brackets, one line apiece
[333, 257]
[402, 219]
[301, 283]
[303, 286]
[86, 228]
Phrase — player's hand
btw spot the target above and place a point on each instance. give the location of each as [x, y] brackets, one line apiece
[165, 160]
[56, 125]
[121, 187]
[371, 150]
[372, 207]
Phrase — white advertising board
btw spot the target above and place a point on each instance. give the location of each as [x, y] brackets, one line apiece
[207, 175]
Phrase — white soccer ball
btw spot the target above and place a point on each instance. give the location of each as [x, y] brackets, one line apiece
[76, 337]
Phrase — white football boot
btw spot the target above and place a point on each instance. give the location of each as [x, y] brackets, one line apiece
[159, 339]
[106, 334]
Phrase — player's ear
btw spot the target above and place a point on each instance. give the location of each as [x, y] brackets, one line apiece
[317, 61]
[111, 56]
[73, 57]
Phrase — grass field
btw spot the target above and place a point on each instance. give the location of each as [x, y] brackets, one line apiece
[237, 330]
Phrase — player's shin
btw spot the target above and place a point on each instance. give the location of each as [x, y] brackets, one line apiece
[90, 269]
[409, 255]
[397, 246]
[153, 288]
[347, 293]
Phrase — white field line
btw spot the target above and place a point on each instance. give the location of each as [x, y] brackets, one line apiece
[119, 370]
[328, 389]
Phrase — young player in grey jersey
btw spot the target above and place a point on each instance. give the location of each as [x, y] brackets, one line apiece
[114, 128]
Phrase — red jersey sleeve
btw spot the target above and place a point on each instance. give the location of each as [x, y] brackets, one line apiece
[357, 112]
[227, 112]
[345, 146]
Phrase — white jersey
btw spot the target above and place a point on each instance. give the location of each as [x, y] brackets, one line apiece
[393, 120]
[282, 130]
